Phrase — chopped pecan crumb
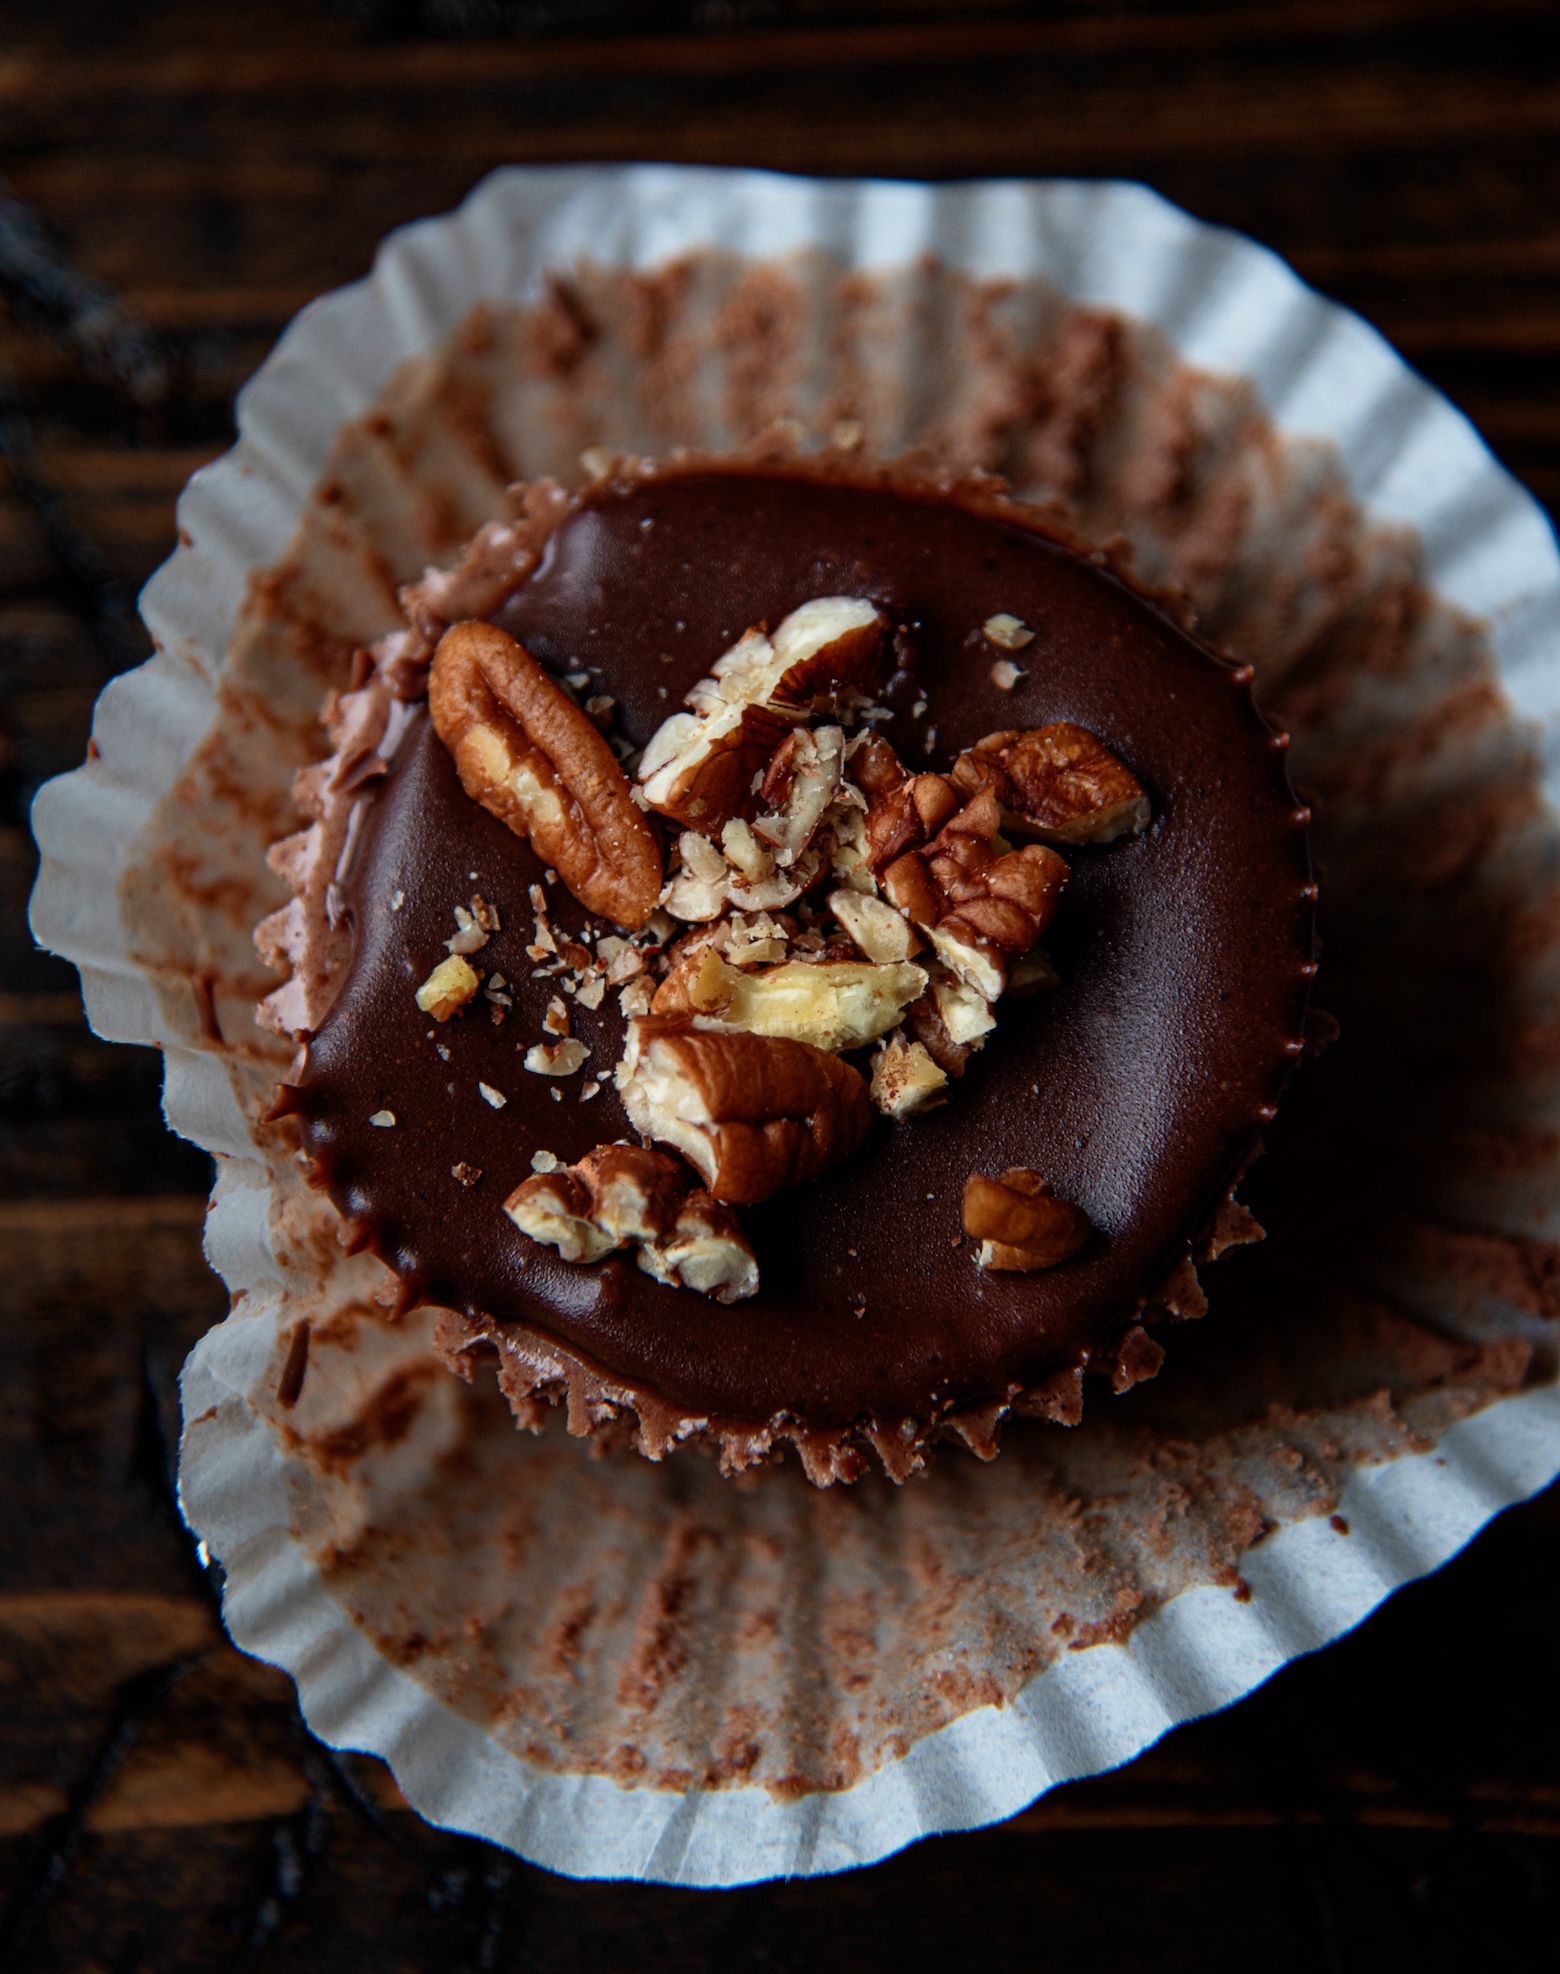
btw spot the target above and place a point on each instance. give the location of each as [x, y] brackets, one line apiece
[452, 983]
[1010, 632]
[636, 997]
[905, 1079]
[556, 1058]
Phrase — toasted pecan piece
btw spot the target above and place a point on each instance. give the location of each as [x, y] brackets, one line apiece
[526, 752]
[452, 983]
[829, 646]
[944, 864]
[699, 767]
[908, 813]
[906, 1080]
[832, 1004]
[951, 1020]
[1020, 1223]
[1058, 782]
[751, 1113]
[699, 771]
[616, 1195]
[801, 780]
[706, 1250]
[878, 929]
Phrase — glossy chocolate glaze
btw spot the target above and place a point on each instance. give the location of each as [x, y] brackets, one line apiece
[1137, 1087]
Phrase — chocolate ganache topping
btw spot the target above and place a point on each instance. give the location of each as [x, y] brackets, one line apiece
[466, 1058]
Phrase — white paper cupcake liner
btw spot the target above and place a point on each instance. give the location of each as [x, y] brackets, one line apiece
[728, 1745]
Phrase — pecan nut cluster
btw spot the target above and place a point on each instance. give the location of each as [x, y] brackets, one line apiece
[791, 895]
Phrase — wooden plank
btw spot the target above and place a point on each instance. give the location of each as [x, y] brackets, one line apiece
[192, 1784]
[60, 1010]
[924, 122]
[1524, 256]
[28, 79]
[110, 1253]
[52, 1220]
[107, 472]
[1528, 333]
[233, 308]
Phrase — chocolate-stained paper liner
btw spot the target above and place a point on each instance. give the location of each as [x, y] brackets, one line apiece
[619, 1668]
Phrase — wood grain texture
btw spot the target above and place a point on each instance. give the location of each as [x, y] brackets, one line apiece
[1392, 1803]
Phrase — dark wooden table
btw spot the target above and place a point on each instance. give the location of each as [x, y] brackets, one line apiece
[1392, 1803]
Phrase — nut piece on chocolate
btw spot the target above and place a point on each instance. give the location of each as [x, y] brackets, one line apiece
[452, 983]
[1056, 782]
[751, 1113]
[1008, 631]
[700, 765]
[905, 1079]
[624, 1196]
[833, 1004]
[882, 932]
[706, 1250]
[1020, 1223]
[526, 752]
[563, 1058]
[802, 779]
[942, 861]
[700, 771]
[615, 1196]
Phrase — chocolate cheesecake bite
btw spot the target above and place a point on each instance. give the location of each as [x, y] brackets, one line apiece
[792, 955]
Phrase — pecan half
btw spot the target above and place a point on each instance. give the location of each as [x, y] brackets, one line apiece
[1020, 1223]
[751, 1113]
[526, 752]
[1056, 782]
